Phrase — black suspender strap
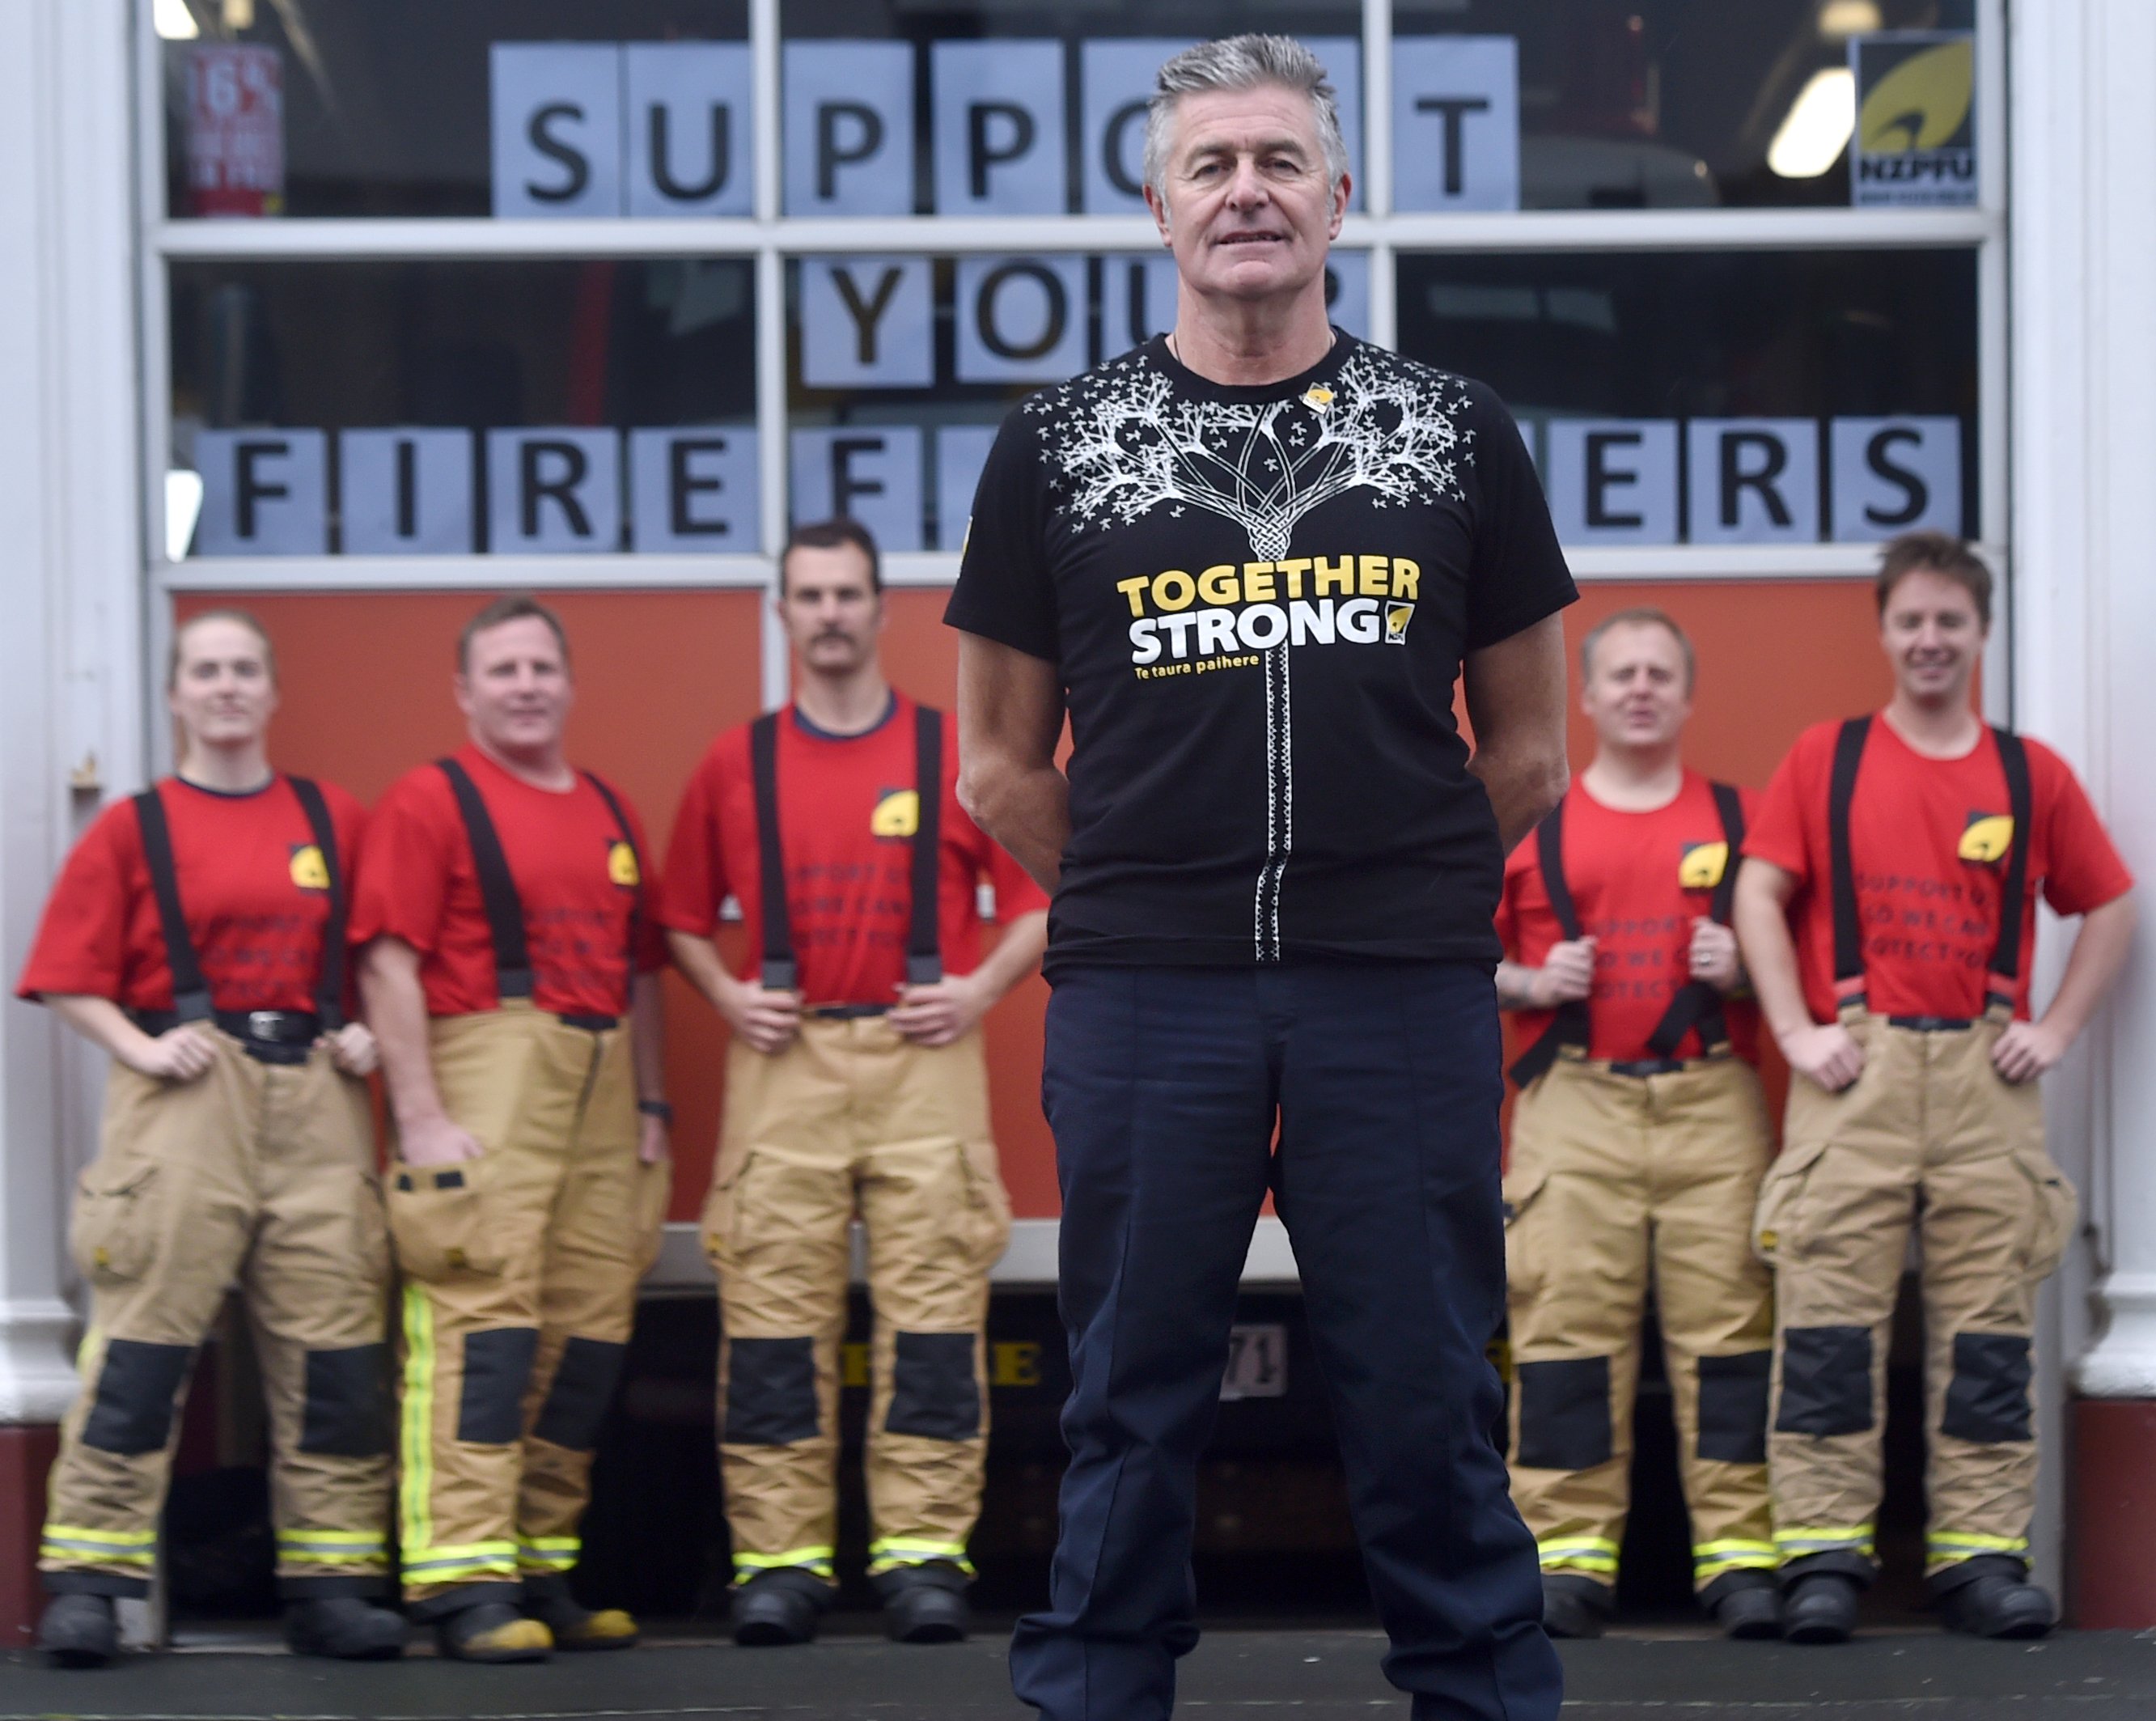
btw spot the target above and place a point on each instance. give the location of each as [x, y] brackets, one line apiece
[329, 981]
[924, 943]
[2013, 893]
[781, 973]
[497, 888]
[627, 840]
[190, 991]
[1697, 1004]
[1848, 929]
[1569, 1022]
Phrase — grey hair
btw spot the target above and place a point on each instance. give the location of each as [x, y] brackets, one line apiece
[1242, 63]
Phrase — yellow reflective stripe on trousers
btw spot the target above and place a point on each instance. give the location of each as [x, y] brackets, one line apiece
[1954, 1545]
[78, 1542]
[429, 1565]
[551, 1553]
[333, 1547]
[415, 1517]
[1593, 1554]
[1732, 1555]
[1794, 1541]
[813, 1560]
[890, 1552]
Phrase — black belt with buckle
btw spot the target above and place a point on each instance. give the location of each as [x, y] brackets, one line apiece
[1931, 1025]
[1647, 1067]
[590, 1024]
[270, 1036]
[846, 1012]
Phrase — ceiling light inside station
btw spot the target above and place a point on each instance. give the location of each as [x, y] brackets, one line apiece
[1812, 138]
[174, 22]
[1849, 17]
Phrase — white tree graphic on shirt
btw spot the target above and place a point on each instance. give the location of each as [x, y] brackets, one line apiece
[1124, 445]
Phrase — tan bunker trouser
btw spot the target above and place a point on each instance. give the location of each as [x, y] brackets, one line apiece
[851, 1119]
[520, 1288]
[1616, 1181]
[1928, 1138]
[260, 1175]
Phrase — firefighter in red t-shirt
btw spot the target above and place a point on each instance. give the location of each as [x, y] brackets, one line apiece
[1638, 1143]
[509, 970]
[1887, 911]
[198, 935]
[855, 1086]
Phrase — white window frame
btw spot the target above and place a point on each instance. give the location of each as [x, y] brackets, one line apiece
[770, 239]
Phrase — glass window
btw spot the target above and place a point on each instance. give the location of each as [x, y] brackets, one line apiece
[899, 368]
[409, 107]
[1006, 107]
[448, 407]
[1637, 104]
[1729, 397]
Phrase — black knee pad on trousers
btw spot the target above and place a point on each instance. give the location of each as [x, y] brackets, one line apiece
[1826, 1380]
[1733, 1407]
[347, 1408]
[1564, 1414]
[933, 1392]
[771, 1391]
[137, 1385]
[497, 1369]
[1988, 1398]
[584, 1387]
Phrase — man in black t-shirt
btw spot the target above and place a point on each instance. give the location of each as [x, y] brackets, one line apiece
[1250, 561]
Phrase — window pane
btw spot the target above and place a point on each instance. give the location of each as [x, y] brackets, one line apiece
[403, 403]
[1851, 374]
[1007, 107]
[899, 367]
[1631, 104]
[382, 107]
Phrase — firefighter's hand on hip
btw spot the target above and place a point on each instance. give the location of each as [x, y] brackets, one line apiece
[1713, 956]
[1567, 975]
[2024, 1050]
[766, 1019]
[937, 1014]
[435, 1141]
[352, 1049]
[179, 1054]
[1825, 1053]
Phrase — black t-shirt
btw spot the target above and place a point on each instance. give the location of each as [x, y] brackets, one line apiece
[1259, 598]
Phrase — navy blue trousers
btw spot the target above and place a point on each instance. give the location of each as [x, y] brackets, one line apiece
[1163, 1086]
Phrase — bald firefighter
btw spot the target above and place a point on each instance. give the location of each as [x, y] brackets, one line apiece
[508, 967]
[1887, 912]
[856, 1087]
[1638, 1143]
[198, 935]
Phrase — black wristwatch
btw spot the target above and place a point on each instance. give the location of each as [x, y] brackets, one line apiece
[659, 1109]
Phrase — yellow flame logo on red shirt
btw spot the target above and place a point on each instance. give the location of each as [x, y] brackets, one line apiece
[1702, 866]
[898, 814]
[310, 870]
[621, 866]
[1988, 838]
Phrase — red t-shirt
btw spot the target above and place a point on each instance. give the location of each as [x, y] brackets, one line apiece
[1639, 881]
[1930, 911]
[848, 884]
[253, 887]
[418, 883]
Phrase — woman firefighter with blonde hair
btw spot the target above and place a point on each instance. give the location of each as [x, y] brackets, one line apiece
[196, 933]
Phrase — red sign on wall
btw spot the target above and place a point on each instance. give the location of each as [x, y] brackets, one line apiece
[235, 130]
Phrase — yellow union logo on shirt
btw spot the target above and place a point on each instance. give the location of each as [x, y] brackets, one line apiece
[1396, 617]
[1701, 866]
[621, 866]
[310, 870]
[898, 814]
[1988, 838]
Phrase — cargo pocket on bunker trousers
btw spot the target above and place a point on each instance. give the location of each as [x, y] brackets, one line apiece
[1523, 1267]
[987, 1205]
[438, 1221]
[723, 1208]
[2052, 1210]
[1776, 1218]
[112, 1232]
